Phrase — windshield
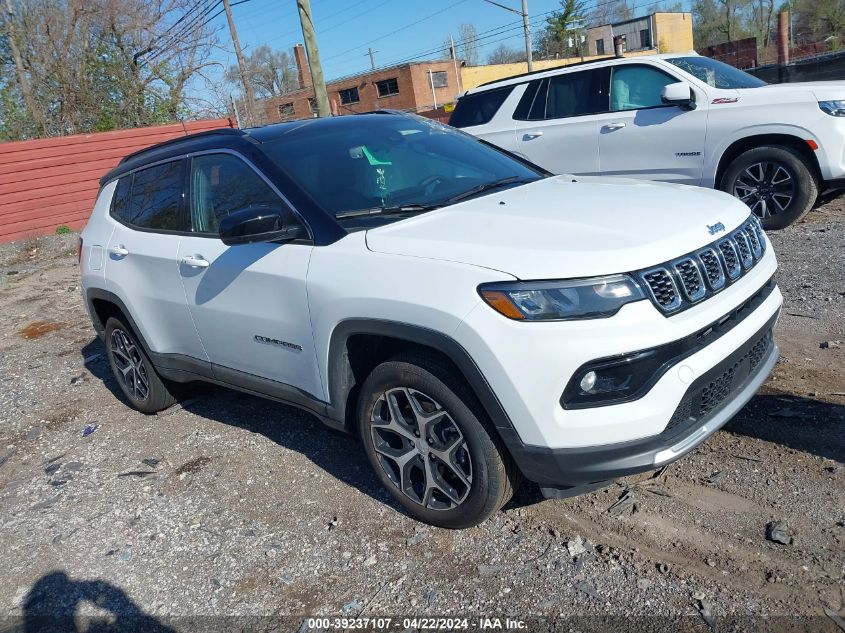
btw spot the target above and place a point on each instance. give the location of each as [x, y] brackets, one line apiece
[715, 73]
[391, 164]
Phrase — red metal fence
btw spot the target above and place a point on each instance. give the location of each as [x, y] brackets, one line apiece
[46, 183]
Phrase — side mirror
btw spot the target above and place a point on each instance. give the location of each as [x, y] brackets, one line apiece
[679, 94]
[258, 224]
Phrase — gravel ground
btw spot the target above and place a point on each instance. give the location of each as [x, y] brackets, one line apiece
[229, 505]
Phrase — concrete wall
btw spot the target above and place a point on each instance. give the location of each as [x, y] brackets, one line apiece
[673, 32]
[46, 183]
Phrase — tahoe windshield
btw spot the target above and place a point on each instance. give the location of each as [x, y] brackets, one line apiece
[370, 169]
[715, 73]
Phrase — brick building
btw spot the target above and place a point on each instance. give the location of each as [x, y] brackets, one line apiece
[413, 87]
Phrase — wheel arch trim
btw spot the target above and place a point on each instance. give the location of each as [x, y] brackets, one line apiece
[732, 146]
[340, 381]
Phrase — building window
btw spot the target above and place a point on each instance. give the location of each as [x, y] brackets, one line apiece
[286, 111]
[350, 95]
[645, 40]
[600, 47]
[439, 79]
[312, 103]
[388, 87]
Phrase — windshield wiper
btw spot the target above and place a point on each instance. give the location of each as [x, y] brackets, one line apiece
[488, 186]
[386, 210]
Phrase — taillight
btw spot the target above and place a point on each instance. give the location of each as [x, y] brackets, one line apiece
[79, 251]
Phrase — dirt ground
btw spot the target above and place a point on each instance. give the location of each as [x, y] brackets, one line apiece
[229, 505]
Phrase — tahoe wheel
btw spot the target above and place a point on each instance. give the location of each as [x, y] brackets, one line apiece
[133, 371]
[775, 181]
[426, 436]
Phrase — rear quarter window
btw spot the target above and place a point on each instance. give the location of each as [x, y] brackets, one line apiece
[479, 108]
[120, 199]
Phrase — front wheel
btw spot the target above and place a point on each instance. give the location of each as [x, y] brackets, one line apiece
[423, 433]
[775, 181]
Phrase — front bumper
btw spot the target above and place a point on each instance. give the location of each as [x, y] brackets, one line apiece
[709, 403]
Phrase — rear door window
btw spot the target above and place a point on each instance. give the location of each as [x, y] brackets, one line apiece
[479, 108]
[578, 93]
[152, 198]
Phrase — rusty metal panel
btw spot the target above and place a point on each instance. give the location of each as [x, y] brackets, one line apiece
[46, 183]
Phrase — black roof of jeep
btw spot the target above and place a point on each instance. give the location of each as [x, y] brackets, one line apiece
[223, 138]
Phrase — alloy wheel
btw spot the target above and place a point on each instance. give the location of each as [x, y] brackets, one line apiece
[130, 365]
[421, 449]
[767, 187]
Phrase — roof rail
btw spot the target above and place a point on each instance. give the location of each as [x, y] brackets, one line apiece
[181, 139]
[545, 70]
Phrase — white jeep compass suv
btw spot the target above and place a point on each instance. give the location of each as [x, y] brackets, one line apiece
[472, 318]
[676, 118]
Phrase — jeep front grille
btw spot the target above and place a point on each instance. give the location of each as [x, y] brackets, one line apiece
[682, 282]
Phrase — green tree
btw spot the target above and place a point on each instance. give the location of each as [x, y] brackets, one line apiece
[95, 65]
[270, 72]
[562, 33]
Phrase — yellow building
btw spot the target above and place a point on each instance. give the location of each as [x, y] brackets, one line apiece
[656, 33]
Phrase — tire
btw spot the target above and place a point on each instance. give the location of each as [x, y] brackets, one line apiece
[471, 475]
[133, 371]
[776, 181]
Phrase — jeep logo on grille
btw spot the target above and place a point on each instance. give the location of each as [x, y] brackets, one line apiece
[715, 228]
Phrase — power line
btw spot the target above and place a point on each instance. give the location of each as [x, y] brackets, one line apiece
[401, 28]
[194, 25]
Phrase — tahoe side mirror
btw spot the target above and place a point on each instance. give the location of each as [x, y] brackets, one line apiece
[679, 94]
[259, 224]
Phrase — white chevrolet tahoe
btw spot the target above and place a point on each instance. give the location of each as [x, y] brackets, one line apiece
[677, 118]
[472, 318]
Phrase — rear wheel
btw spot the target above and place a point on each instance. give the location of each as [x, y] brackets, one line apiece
[424, 435]
[775, 181]
[133, 371]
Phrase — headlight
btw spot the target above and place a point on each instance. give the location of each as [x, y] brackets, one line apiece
[833, 108]
[592, 298]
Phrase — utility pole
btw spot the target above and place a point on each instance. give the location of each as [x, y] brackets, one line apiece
[372, 53]
[526, 27]
[313, 52]
[529, 56]
[248, 93]
[454, 54]
[26, 89]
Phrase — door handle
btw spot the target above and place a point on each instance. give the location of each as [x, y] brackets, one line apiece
[530, 136]
[120, 250]
[195, 261]
[617, 125]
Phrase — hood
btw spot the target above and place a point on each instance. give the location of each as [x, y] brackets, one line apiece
[821, 90]
[565, 227]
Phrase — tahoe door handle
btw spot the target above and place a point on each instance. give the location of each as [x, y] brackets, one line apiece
[120, 250]
[195, 261]
[617, 125]
[530, 136]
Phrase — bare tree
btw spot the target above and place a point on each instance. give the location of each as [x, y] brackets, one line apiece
[102, 64]
[504, 54]
[468, 44]
[270, 72]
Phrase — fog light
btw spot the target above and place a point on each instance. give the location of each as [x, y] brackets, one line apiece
[588, 381]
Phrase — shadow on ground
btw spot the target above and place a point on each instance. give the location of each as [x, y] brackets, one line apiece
[799, 423]
[339, 455]
[53, 605]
